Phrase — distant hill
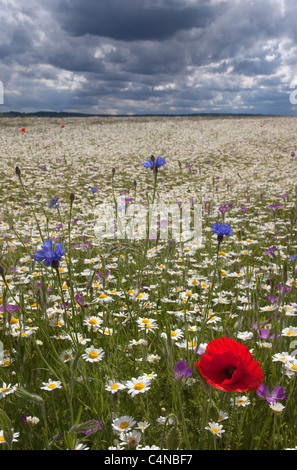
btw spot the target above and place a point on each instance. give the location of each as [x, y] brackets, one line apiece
[65, 114]
[55, 114]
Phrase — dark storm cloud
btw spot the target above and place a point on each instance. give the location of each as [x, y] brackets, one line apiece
[146, 56]
[132, 20]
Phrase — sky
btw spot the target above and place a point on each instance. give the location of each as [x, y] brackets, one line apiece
[149, 56]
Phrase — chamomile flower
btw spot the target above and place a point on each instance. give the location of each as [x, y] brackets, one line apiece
[277, 407]
[150, 376]
[141, 296]
[7, 390]
[14, 438]
[66, 356]
[137, 385]
[130, 439]
[176, 334]
[147, 323]
[281, 357]
[51, 385]
[114, 386]
[123, 424]
[165, 420]
[104, 298]
[93, 355]
[81, 447]
[222, 416]
[153, 358]
[241, 401]
[215, 428]
[244, 335]
[93, 322]
[142, 425]
[81, 339]
[290, 331]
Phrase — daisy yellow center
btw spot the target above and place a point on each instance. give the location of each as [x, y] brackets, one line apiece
[214, 430]
[93, 321]
[294, 367]
[138, 386]
[93, 355]
[4, 390]
[188, 294]
[2, 439]
[240, 402]
[124, 425]
[173, 333]
[13, 321]
[114, 387]
[291, 333]
[145, 320]
[102, 296]
[51, 386]
[195, 282]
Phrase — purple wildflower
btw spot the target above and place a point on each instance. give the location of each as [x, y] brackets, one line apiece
[223, 208]
[53, 203]
[79, 299]
[182, 371]
[272, 299]
[95, 425]
[283, 289]
[278, 393]
[274, 207]
[106, 274]
[10, 308]
[270, 250]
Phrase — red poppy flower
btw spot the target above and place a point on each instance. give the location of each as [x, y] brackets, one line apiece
[23, 129]
[229, 366]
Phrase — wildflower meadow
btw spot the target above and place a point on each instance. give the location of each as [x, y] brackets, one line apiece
[165, 337]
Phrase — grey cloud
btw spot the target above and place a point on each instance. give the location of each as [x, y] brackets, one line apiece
[145, 55]
[131, 20]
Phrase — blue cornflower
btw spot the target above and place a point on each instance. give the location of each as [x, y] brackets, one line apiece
[221, 230]
[293, 257]
[53, 203]
[154, 163]
[49, 256]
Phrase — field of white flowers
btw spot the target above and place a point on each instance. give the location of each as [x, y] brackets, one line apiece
[146, 342]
